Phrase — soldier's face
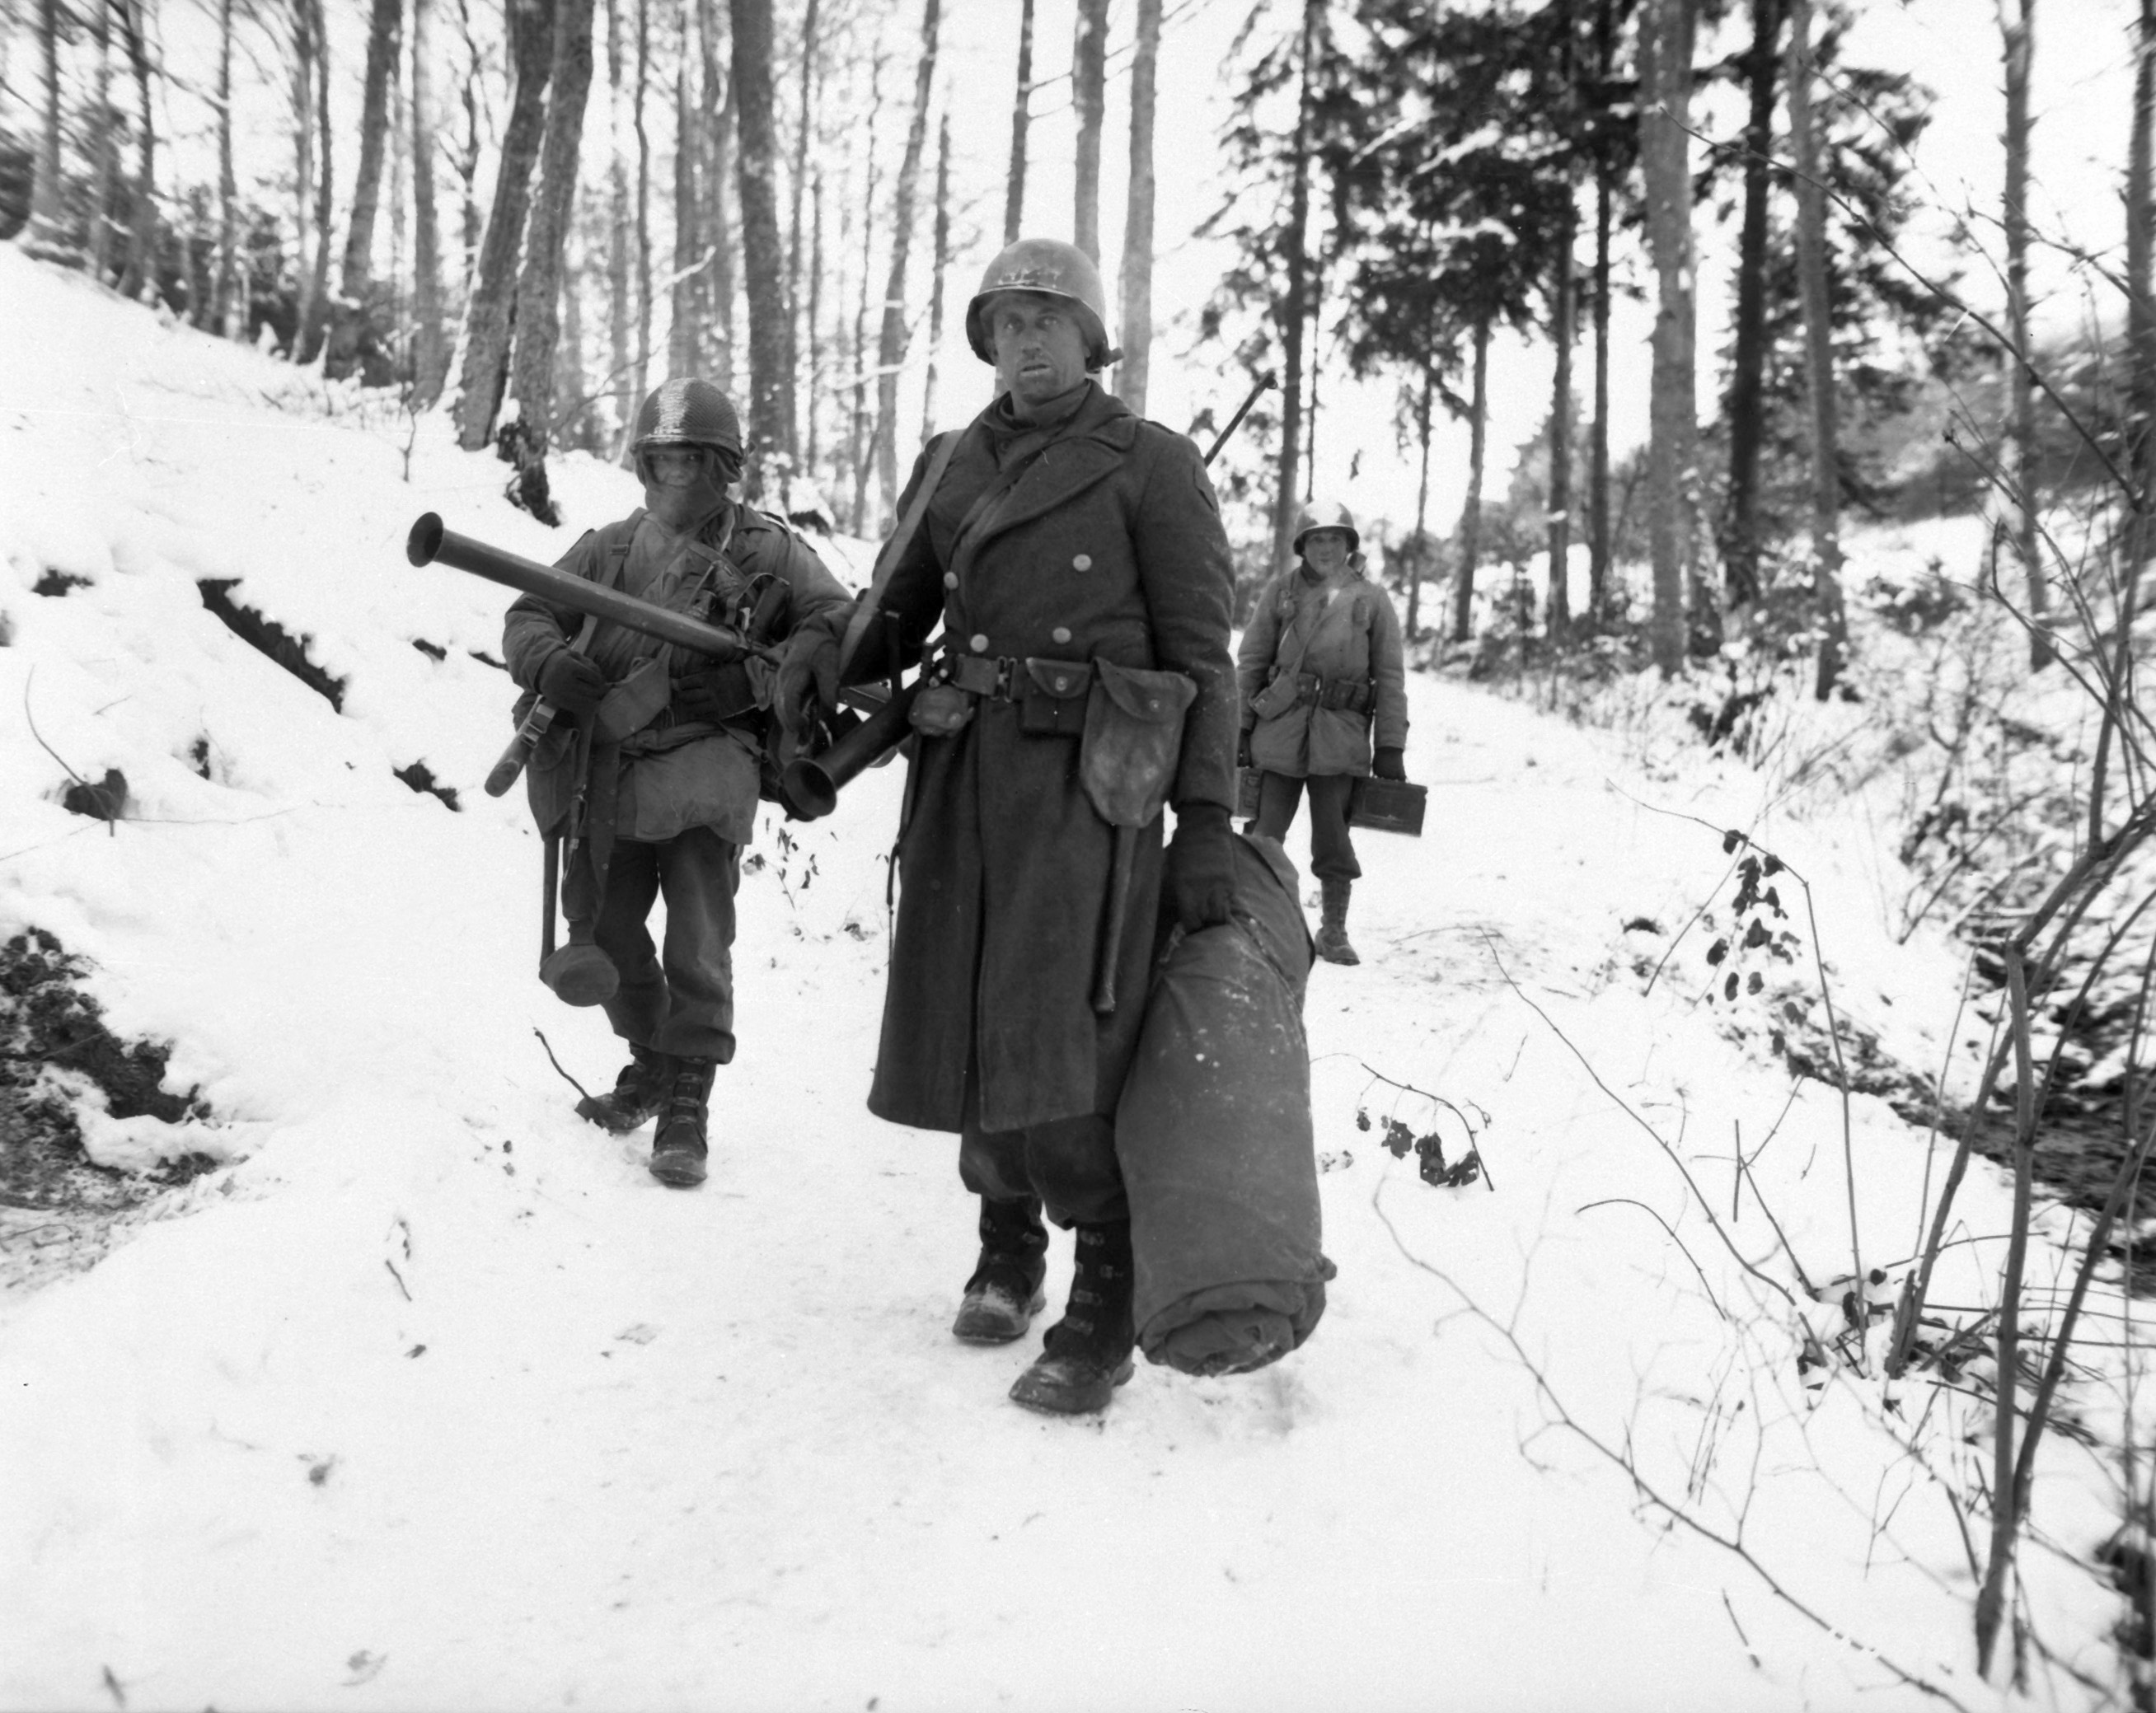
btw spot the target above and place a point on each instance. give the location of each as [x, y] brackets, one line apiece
[1327, 550]
[1040, 346]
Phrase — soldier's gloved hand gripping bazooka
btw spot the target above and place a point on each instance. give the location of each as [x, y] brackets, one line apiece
[812, 783]
[429, 541]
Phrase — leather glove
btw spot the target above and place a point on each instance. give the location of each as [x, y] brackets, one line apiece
[808, 684]
[1390, 764]
[571, 681]
[1201, 867]
[1242, 750]
[696, 695]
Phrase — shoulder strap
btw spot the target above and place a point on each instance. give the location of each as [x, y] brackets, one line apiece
[894, 549]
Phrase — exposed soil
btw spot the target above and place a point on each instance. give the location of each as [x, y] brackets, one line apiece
[58, 1209]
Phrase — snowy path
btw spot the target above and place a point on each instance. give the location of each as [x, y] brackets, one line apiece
[438, 1400]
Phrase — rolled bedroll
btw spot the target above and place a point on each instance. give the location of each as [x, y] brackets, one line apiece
[1214, 1136]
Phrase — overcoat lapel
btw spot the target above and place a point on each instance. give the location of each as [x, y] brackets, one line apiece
[1092, 449]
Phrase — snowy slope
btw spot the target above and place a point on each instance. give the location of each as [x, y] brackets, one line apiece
[436, 1399]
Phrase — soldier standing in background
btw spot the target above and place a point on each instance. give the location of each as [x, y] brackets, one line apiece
[1074, 557]
[656, 784]
[1322, 674]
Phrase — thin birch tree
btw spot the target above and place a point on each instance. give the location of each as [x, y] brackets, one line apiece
[1666, 47]
[545, 240]
[1021, 108]
[764, 257]
[491, 312]
[890, 338]
[1134, 306]
[1819, 354]
[1089, 86]
[2017, 23]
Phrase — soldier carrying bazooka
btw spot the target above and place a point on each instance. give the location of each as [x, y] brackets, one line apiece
[653, 782]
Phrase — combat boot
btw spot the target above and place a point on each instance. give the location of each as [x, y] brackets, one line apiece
[1086, 1355]
[638, 1093]
[1332, 926]
[1004, 1294]
[679, 1153]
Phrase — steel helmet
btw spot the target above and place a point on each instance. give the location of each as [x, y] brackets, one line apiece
[687, 413]
[1053, 268]
[1326, 514]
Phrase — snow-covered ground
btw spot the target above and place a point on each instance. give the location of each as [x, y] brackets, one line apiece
[435, 1399]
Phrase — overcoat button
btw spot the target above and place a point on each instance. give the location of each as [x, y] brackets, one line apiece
[950, 579]
[980, 645]
[1060, 634]
[1081, 562]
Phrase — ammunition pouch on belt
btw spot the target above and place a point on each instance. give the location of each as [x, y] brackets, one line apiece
[1350, 694]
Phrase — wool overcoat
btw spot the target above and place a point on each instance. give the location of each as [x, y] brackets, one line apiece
[1343, 629]
[1109, 547]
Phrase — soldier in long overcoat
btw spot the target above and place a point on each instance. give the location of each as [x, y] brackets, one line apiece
[1075, 558]
[1324, 700]
[654, 781]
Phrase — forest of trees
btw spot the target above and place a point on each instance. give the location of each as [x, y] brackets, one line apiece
[550, 205]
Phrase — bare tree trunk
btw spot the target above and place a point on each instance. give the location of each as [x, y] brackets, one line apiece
[2141, 315]
[1421, 547]
[539, 280]
[797, 191]
[1135, 307]
[1089, 95]
[638, 117]
[857, 434]
[716, 181]
[430, 355]
[1746, 408]
[621, 238]
[313, 298]
[384, 42]
[491, 317]
[1819, 353]
[685, 331]
[139, 280]
[231, 291]
[1599, 597]
[1292, 311]
[814, 325]
[1470, 512]
[46, 235]
[2017, 23]
[764, 257]
[302, 98]
[103, 151]
[471, 224]
[890, 338]
[1564, 316]
[1014, 180]
[1665, 46]
[943, 247]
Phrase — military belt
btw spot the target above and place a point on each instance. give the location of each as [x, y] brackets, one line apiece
[1351, 694]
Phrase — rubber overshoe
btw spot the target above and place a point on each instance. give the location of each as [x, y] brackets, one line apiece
[1004, 1292]
[638, 1093]
[682, 1148]
[1086, 1355]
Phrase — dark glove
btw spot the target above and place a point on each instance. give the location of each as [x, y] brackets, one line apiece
[1242, 750]
[700, 696]
[807, 686]
[571, 682]
[1390, 764]
[1201, 866]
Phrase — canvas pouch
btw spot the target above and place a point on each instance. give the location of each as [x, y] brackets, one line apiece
[1133, 740]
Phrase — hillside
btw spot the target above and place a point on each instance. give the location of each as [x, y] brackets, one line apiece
[430, 1397]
